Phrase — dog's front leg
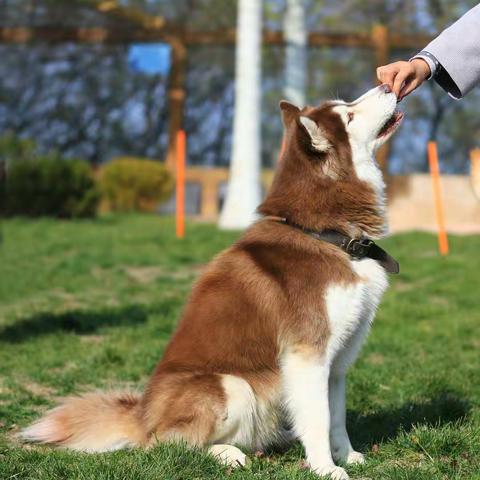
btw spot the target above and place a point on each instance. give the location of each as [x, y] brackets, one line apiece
[305, 377]
[340, 443]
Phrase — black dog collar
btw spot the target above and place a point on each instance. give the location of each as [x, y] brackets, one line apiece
[356, 248]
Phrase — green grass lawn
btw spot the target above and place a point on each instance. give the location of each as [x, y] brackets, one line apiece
[91, 304]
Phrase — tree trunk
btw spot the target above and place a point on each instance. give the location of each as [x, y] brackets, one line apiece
[295, 34]
[176, 98]
[244, 190]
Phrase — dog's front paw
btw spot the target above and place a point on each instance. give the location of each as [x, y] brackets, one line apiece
[355, 457]
[343, 452]
[332, 472]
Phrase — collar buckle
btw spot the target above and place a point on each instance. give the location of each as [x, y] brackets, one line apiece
[358, 248]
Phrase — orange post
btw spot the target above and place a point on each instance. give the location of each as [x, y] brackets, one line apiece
[437, 195]
[180, 187]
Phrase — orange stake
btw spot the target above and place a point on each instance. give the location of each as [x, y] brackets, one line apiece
[437, 195]
[180, 196]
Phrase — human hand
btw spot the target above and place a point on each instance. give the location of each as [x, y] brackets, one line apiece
[404, 77]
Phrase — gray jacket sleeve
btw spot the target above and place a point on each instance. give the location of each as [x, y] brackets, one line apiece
[457, 50]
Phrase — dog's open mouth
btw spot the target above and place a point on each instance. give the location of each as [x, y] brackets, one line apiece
[391, 124]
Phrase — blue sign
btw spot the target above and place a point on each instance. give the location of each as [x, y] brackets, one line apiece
[150, 58]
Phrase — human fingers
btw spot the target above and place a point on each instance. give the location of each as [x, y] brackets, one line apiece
[408, 88]
[402, 76]
[387, 73]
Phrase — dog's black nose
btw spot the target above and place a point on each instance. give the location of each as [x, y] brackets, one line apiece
[386, 88]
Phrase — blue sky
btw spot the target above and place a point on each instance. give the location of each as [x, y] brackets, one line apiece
[150, 58]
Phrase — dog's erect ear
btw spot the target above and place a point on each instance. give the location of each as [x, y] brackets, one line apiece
[289, 111]
[316, 134]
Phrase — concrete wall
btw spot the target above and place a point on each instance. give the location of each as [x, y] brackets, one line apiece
[411, 204]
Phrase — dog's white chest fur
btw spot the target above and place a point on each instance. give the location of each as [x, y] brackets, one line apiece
[351, 309]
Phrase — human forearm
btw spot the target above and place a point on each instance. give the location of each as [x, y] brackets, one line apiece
[457, 51]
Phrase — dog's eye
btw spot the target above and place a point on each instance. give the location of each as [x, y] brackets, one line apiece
[350, 117]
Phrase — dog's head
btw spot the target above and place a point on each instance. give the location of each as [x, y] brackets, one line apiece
[340, 138]
[328, 162]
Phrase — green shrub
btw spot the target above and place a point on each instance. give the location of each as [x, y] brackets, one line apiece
[133, 184]
[51, 186]
[14, 148]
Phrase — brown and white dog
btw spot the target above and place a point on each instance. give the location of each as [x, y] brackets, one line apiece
[275, 321]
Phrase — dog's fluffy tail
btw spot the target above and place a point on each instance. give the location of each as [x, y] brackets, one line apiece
[95, 422]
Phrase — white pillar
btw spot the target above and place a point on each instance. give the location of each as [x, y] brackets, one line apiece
[295, 33]
[244, 187]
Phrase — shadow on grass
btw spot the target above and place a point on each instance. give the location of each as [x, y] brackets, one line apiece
[367, 430]
[75, 321]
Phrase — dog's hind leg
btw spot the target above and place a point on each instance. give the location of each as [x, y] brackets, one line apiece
[184, 407]
[237, 425]
[229, 455]
[212, 410]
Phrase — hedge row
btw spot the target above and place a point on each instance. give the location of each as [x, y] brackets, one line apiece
[130, 184]
[54, 186]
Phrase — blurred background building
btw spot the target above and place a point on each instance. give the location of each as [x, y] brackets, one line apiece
[102, 79]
